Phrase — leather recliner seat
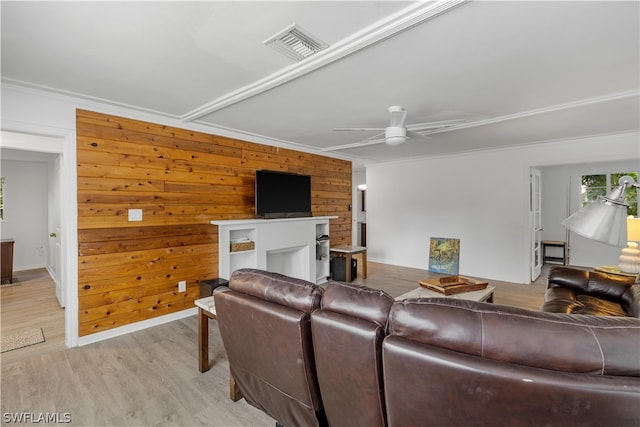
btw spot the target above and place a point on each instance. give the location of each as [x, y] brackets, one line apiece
[265, 324]
[347, 340]
[576, 291]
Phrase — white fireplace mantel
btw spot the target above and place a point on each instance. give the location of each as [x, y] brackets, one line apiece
[291, 246]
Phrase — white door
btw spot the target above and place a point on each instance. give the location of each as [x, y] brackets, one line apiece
[54, 206]
[58, 264]
[535, 197]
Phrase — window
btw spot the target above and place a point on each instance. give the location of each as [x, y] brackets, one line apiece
[601, 184]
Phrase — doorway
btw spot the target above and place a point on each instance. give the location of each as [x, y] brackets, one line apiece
[535, 195]
[58, 246]
[32, 188]
[359, 211]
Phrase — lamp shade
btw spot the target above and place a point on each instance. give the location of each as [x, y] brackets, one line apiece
[633, 229]
[630, 256]
[604, 220]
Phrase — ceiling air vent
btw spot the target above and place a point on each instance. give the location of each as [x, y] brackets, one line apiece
[295, 42]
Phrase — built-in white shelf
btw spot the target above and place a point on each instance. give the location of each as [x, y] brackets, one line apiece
[297, 247]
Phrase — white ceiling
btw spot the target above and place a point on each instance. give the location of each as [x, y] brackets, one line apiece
[517, 72]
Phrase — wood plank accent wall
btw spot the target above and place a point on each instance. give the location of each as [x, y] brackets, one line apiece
[181, 179]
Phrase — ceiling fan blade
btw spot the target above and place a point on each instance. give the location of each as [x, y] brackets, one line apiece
[398, 117]
[353, 145]
[414, 135]
[375, 139]
[435, 125]
[357, 129]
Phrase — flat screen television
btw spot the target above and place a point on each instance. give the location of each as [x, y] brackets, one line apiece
[282, 195]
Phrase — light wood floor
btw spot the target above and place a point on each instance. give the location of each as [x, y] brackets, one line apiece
[144, 378]
[151, 377]
[398, 280]
[30, 302]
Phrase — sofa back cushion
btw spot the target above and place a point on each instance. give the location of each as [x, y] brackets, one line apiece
[567, 277]
[561, 342]
[364, 303]
[277, 288]
[608, 286]
[347, 337]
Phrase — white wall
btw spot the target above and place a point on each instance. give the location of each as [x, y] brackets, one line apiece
[482, 198]
[25, 212]
[561, 197]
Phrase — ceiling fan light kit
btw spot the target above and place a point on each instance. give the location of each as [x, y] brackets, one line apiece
[395, 135]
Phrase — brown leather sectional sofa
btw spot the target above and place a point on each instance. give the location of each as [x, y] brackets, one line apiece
[351, 356]
[577, 291]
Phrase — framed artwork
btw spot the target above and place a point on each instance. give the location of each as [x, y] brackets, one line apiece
[444, 255]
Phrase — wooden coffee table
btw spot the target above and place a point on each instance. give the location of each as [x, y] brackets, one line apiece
[483, 295]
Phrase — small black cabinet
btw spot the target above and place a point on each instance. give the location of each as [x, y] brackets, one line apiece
[207, 286]
[338, 271]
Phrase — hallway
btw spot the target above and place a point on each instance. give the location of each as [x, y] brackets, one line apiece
[30, 302]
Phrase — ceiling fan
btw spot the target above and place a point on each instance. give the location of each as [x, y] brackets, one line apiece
[396, 133]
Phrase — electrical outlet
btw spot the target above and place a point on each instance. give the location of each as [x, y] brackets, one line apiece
[182, 286]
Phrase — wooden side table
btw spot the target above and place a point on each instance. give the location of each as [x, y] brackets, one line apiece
[555, 244]
[207, 310]
[348, 252]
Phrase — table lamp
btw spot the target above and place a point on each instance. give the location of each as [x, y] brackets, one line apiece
[604, 220]
[630, 256]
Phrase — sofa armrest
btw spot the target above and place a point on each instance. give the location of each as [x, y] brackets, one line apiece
[631, 301]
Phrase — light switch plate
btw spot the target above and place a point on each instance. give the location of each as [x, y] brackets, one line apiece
[135, 214]
[182, 286]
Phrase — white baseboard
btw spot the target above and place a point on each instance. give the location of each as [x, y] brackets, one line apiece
[28, 267]
[390, 262]
[138, 326]
[52, 275]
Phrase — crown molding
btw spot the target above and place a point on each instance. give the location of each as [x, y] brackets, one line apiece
[577, 158]
[375, 33]
[133, 112]
[612, 97]
[75, 97]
